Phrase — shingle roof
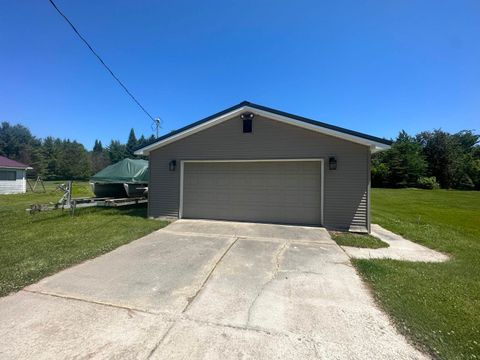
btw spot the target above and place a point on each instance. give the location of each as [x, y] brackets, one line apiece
[9, 163]
[274, 111]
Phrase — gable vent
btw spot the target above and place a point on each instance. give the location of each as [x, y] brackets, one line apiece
[247, 121]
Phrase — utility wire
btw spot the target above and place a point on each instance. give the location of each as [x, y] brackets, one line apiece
[103, 62]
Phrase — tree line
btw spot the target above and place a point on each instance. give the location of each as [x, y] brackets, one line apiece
[430, 159]
[59, 159]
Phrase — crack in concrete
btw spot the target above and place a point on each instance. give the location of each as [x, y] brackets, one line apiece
[279, 253]
[161, 340]
[300, 272]
[252, 305]
[270, 332]
[236, 327]
[256, 329]
[345, 263]
[191, 299]
[314, 345]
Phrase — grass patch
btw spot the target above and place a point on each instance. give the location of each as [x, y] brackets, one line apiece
[357, 240]
[35, 246]
[436, 305]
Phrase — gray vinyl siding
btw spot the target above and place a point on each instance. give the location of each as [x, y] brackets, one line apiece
[345, 193]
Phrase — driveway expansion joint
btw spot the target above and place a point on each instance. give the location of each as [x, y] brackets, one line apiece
[67, 297]
[196, 234]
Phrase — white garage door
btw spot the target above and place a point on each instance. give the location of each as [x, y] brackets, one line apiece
[267, 191]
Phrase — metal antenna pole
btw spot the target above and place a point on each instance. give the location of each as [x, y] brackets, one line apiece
[157, 123]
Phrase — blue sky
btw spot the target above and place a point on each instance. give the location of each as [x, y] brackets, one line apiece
[371, 66]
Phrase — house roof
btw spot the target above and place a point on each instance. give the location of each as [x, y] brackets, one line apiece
[9, 163]
[376, 143]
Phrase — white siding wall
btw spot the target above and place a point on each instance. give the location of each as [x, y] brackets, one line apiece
[14, 187]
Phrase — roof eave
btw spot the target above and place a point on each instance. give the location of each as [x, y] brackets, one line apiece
[16, 167]
[378, 148]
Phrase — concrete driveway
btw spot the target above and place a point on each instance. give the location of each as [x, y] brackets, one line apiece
[205, 290]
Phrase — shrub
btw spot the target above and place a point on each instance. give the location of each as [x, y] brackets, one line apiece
[425, 182]
[464, 182]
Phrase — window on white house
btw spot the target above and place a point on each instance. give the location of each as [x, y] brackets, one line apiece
[8, 175]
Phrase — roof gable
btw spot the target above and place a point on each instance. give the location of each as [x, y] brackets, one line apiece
[376, 144]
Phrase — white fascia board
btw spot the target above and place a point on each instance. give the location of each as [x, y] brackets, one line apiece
[374, 145]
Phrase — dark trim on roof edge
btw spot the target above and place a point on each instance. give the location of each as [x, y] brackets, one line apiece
[274, 111]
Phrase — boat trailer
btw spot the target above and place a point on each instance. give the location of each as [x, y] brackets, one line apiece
[69, 203]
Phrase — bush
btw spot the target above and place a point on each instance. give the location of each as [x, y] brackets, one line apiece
[425, 182]
[464, 183]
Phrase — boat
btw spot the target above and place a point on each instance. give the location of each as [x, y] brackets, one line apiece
[126, 178]
[136, 189]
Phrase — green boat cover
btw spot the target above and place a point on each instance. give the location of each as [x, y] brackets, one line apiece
[127, 170]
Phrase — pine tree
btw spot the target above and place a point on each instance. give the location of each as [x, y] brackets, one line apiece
[152, 139]
[99, 158]
[73, 161]
[132, 143]
[98, 146]
[117, 151]
[142, 141]
[406, 161]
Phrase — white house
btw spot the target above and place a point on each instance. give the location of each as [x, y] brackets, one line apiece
[12, 176]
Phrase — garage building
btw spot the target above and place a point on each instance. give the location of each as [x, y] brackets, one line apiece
[257, 164]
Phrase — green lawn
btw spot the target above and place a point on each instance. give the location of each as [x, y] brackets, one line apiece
[357, 240]
[436, 305]
[34, 246]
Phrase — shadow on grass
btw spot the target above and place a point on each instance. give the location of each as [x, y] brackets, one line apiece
[139, 210]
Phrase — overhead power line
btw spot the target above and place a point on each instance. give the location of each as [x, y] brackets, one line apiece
[102, 62]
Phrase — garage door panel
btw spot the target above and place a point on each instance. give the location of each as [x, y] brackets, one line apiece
[280, 192]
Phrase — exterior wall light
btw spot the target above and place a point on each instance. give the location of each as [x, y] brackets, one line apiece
[247, 116]
[332, 163]
[172, 165]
